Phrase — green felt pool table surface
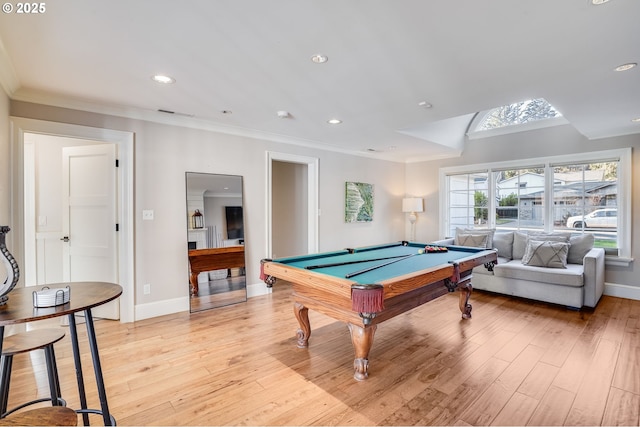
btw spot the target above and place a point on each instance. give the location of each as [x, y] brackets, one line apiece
[394, 269]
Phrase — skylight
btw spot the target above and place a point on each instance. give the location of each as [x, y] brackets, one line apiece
[517, 117]
[518, 113]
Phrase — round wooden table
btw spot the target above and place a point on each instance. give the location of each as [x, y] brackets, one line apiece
[83, 297]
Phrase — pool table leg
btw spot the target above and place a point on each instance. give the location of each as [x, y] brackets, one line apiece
[465, 289]
[302, 314]
[362, 340]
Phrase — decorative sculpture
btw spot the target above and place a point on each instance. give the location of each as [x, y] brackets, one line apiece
[10, 264]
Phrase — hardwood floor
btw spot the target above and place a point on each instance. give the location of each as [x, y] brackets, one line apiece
[515, 362]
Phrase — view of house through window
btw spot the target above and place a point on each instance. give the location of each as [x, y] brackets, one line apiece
[520, 196]
[584, 200]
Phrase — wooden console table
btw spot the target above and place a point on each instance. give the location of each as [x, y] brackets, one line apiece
[201, 260]
[83, 297]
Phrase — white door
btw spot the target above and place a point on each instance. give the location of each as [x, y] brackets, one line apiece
[89, 218]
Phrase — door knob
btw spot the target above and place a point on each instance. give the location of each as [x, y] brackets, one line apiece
[65, 239]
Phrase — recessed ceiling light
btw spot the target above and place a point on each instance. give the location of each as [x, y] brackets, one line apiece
[636, 120]
[598, 2]
[319, 59]
[425, 104]
[625, 67]
[161, 78]
[334, 121]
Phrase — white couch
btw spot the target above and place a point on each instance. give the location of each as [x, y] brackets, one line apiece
[577, 283]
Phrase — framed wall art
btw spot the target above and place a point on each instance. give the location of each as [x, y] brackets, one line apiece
[358, 202]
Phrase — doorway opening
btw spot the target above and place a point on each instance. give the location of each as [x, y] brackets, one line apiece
[292, 205]
[30, 226]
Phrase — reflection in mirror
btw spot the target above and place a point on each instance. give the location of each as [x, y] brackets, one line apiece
[215, 236]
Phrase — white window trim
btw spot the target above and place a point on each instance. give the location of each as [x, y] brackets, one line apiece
[623, 155]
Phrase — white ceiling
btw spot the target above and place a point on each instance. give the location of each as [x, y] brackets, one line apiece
[253, 57]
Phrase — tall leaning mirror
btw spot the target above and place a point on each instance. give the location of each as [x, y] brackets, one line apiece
[215, 240]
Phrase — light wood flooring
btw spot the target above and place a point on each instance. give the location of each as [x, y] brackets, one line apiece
[515, 362]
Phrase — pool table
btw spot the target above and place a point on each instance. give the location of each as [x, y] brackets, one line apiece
[366, 286]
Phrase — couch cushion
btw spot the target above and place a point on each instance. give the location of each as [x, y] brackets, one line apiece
[570, 276]
[473, 240]
[546, 254]
[503, 242]
[580, 246]
[488, 231]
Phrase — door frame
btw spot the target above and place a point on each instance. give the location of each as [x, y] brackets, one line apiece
[124, 198]
[313, 210]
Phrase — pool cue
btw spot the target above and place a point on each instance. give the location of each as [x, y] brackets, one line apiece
[337, 264]
[356, 273]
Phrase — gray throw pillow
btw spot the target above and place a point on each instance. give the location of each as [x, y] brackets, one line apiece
[519, 244]
[503, 242]
[473, 240]
[580, 245]
[520, 240]
[546, 254]
[488, 231]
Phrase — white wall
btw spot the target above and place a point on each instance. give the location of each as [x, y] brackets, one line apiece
[5, 174]
[422, 178]
[215, 214]
[5, 162]
[162, 155]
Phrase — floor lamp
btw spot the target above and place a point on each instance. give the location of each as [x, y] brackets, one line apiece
[412, 205]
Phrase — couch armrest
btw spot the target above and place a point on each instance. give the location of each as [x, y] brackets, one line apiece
[593, 276]
[443, 242]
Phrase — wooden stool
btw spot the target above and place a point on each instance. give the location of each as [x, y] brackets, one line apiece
[50, 416]
[25, 342]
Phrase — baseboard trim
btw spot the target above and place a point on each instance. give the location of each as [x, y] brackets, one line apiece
[161, 308]
[176, 305]
[622, 291]
[257, 289]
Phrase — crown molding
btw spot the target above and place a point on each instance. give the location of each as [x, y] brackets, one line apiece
[136, 113]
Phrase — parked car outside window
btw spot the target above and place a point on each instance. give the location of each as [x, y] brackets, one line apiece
[600, 218]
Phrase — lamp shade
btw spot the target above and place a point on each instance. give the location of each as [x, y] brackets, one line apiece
[412, 204]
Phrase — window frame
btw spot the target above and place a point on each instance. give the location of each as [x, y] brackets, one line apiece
[623, 156]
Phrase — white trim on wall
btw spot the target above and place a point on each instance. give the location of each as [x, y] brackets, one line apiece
[312, 191]
[124, 142]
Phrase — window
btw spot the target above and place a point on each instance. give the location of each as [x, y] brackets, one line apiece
[581, 193]
[468, 196]
[516, 117]
[589, 192]
[519, 194]
[519, 113]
